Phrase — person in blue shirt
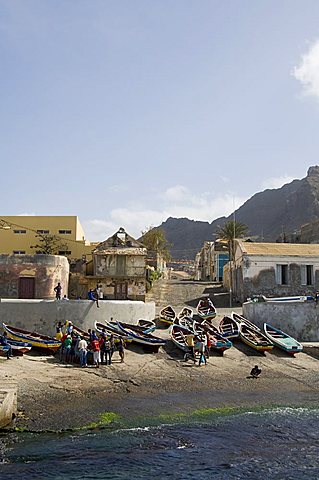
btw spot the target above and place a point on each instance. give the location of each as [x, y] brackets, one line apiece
[4, 342]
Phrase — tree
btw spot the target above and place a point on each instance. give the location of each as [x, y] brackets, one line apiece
[155, 241]
[50, 244]
[229, 232]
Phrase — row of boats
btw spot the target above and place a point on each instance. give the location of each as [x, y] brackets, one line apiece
[21, 341]
[232, 327]
[205, 309]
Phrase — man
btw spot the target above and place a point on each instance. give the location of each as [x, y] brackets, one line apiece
[255, 372]
[201, 349]
[58, 291]
[83, 352]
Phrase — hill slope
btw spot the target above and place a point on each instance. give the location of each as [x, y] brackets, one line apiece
[267, 214]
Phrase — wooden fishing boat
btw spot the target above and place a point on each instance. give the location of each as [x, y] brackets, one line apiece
[167, 315]
[148, 325]
[185, 312]
[217, 341]
[239, 319]
[296, 298]
[100, 328]
[228, 327]
[43, 342]
[254, 339]
[178, 335]
[186, 322]
[206, 309]
[19, 348]
[282, 340]
[138, 336]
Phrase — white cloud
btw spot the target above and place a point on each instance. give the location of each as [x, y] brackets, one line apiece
[26, 215]
[307, 72]
[176, 194]
[176, 202]
[276, 182]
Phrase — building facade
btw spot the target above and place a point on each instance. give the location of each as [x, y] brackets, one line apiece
[118, 266]
[19, 233]
[210, 261]
[273, 269]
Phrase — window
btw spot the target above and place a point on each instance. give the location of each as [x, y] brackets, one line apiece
[19, 231]
[306, 272]
[18, 252]
[282, 274]
[120, 264]
[43, 232]
[65, 232]
[65, 252]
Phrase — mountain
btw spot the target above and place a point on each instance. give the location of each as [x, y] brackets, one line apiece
[267, 214]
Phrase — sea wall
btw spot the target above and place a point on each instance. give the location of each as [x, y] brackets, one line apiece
[298, 319]
[43, 315]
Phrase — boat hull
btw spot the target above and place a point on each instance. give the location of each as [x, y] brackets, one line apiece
[24, 336]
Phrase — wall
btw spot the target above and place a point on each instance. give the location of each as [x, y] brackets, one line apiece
[107, 265]
[47, 270]
[80, 285]
[256, 275]
[42, 315]
[300, 320]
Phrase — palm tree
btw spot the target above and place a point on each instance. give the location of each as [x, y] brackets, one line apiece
[229, 232]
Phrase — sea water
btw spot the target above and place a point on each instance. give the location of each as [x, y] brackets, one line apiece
[280, 443]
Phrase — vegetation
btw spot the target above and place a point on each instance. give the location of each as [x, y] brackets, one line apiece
[229, 232]
[50, 244]
[155, 241]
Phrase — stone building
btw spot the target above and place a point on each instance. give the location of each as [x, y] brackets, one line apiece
[118, 266]
[32, 276]
[273, 269]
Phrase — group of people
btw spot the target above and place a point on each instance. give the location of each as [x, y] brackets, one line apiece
[95, 294]
[77, 347]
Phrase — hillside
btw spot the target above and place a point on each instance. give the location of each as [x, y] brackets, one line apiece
[267, 214]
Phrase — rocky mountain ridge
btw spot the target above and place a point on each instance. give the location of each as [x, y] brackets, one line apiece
[267, 214]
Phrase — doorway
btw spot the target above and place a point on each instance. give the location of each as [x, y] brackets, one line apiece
[120, 291]
[26, 287]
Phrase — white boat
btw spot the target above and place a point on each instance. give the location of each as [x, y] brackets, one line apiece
[206, 309]
[167, 315]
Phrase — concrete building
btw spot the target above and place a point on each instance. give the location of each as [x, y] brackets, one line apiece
[273, 269]
[210, 261]
[32, 276]
[19, 233]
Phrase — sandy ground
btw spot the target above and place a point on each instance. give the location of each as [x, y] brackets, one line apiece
[57, 396]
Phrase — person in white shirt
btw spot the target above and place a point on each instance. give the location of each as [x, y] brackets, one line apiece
[83, 352]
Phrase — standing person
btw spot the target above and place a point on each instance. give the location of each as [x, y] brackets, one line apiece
[58, 291]
[201, 349]
[83, 352]
[95, 349]
[190, 343]
[99, 292]
[120, 347]
[112, 345]
[59, 333]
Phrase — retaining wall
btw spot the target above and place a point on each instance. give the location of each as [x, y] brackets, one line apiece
[298, 319]
[43, 315]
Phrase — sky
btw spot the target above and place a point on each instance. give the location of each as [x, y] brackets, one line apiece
[127, 112]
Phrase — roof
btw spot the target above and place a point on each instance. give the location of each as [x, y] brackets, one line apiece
[292, 249]
[120, 243]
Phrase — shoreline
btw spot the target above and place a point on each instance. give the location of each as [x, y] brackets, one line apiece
[60, 397]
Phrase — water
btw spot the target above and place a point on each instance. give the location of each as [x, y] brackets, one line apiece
[277, 444]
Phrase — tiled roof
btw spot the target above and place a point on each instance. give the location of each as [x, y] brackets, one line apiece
[293, 249]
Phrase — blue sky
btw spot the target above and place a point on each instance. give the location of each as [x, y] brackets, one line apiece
[126, 112]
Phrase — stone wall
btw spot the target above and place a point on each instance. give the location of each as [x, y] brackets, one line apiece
[298, 319]
[43, 315]
[46, 270]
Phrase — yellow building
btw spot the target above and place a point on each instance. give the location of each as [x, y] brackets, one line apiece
[19, 233]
